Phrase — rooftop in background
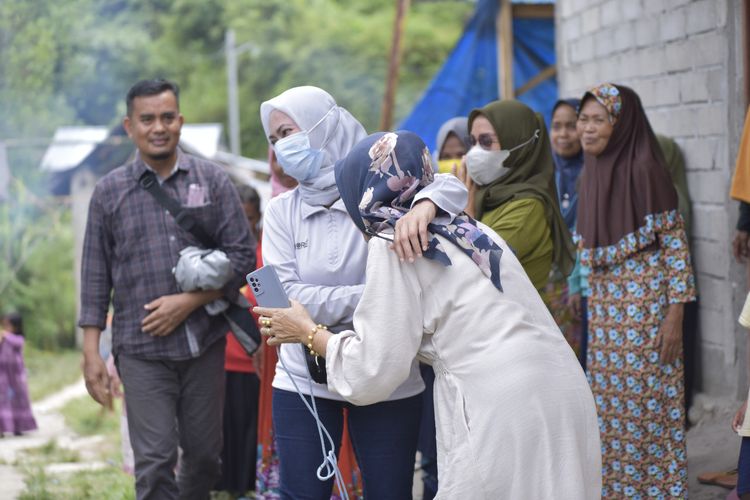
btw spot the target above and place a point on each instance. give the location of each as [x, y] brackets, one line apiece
[71, 145]
[203, 138]
[100, 150]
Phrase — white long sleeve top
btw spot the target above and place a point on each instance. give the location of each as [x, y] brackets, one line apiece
[514, 414]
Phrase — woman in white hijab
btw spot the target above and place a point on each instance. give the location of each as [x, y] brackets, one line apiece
[320, 257]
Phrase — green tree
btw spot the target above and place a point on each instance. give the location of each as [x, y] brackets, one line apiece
[36, 278]
[71, 62]
[340, 46]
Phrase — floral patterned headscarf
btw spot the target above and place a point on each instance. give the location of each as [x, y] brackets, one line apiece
[625, 192]
[608, 96]
[378, 180]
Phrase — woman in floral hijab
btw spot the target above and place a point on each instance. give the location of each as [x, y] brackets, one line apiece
[470, 311]
[632, 238]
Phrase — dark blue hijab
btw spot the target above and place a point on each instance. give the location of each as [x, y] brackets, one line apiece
[567, 171]
[378, 180]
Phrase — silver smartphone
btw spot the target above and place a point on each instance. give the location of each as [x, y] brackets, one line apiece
[266, 287]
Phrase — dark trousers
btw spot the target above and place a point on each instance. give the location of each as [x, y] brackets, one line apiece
[384, 437]
[171, 403]
[238, 458]
[427, 444]
[743, 468]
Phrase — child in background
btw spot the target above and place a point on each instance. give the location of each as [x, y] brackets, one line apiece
[115, 388]
[15, 406]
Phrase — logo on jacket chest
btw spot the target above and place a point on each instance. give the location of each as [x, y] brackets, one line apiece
[301, 244]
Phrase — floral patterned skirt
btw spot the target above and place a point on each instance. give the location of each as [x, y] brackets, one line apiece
[556, 298]
[639, 400]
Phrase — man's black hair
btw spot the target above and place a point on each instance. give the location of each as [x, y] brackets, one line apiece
[151, 87]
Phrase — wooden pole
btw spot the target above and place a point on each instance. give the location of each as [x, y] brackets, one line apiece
[233, 101]
[540, 77]
[504, 35]
[386, 112]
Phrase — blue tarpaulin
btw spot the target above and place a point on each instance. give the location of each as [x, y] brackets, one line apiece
[468, 79]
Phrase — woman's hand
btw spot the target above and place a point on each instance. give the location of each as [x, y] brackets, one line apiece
[739, 417]
[463, 174]
[669, 338]
[411, 237]
[284, 326]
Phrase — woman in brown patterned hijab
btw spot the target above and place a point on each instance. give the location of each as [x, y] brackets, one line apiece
[631, 235]
[625, 181]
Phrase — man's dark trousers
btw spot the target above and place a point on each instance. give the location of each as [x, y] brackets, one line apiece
[171, 403]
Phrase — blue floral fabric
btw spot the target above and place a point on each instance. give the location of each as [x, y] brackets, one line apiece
[378, 180]
[639, 400]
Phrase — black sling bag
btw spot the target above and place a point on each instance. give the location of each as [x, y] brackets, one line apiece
[240, 320]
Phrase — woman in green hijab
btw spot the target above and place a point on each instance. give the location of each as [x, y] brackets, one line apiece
[512, 187]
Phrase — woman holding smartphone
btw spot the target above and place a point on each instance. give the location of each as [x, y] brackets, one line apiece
[320, 257]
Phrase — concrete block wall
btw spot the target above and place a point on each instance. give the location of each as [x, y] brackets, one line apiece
[684, 58]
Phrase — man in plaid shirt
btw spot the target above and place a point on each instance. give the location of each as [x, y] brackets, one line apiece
[169, 351]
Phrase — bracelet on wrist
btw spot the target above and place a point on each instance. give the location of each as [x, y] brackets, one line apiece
[310, 338]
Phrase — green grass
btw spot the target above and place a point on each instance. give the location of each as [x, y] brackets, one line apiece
[87, 418]
[48, 371]
[105, 484]
[48, 453]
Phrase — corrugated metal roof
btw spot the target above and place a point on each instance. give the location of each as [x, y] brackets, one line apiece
[204, 138]
[70, 145]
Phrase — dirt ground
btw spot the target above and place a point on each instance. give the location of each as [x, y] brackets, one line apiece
[711, 445]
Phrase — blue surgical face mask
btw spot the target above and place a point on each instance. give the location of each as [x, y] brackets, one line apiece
[297, 157]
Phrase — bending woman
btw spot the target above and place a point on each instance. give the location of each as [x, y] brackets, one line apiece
[514, 414]
[320, 258]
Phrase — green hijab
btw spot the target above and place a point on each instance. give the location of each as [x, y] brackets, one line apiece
[532, 174]
[676, 167]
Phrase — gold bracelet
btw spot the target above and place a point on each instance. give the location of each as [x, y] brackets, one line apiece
[311, 336]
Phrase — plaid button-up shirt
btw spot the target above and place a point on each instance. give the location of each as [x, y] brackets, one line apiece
[132, 245]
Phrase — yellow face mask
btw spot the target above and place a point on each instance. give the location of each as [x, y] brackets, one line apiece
[446, 166]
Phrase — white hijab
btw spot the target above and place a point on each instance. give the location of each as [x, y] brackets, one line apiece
[336, 135]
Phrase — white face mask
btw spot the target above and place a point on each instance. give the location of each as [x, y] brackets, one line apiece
[485, 167]
[297, 157]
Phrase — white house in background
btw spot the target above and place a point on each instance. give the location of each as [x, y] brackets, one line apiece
[70, 145]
